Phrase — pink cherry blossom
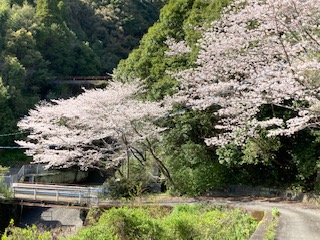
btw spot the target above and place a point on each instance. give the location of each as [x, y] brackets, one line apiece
[261, 52]
[94, 130]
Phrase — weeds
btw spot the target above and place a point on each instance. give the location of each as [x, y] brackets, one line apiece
[182, 222]
[197, 221]
[271, 229]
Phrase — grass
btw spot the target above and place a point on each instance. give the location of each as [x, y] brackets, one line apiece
[182, 222]
[271, 229]
[195, 221]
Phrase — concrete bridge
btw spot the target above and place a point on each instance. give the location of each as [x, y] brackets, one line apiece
[57, 194]
[45, 193]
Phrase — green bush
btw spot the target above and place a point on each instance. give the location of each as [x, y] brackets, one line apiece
[193, 165]
[123, 223]
[209, 222]
[139, 181]
[28, 233]
[156, 223]
[184, 222]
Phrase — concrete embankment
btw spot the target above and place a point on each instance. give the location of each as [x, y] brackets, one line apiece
[51, 217]
[63, 218]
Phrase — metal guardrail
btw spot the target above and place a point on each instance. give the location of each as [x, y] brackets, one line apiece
[57, 193]
[47, 192]
[24, 170]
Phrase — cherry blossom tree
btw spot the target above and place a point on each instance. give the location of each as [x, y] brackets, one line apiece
[96, 129]
[176, 48]
[261, 52]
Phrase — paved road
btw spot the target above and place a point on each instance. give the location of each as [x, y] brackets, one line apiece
[297, 221]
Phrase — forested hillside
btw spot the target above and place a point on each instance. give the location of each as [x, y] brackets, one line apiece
[218, 92]
[43, 39]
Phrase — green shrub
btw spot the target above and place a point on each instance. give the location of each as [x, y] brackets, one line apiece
[139, 181]
[184, 222]
[28, 233]
[275, 212]
[193, 170]
[123, 223]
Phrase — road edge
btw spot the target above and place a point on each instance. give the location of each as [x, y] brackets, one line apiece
[260, 232]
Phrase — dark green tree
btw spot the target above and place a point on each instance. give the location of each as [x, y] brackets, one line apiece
[193, 166]
[22, 45]
[4, 15]
[7, 118]
[48, 11]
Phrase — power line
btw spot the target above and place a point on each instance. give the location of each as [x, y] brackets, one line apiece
[12, 147]
[12, 134]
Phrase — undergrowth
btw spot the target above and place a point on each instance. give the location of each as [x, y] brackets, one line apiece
[271, 229]
[182, 222]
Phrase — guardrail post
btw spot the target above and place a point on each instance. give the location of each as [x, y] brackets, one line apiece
[79, 197]
[89, 197]
[34, 194]
[57, 195]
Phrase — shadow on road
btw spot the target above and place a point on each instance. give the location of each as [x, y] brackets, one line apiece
[41, 217]
[49, 218]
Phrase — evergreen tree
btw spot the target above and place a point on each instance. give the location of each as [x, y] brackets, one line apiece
[48, 12]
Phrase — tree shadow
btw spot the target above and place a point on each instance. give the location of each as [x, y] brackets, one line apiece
[43, 217]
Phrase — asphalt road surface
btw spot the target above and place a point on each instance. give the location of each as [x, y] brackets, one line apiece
[297, 221]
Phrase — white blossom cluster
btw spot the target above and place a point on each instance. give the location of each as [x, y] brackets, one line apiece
[261, 52]
[92, 130]
[176, 48]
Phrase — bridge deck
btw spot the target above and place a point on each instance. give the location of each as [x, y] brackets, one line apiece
[56, 193]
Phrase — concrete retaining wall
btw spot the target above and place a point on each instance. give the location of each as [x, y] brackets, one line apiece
[282, 194]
